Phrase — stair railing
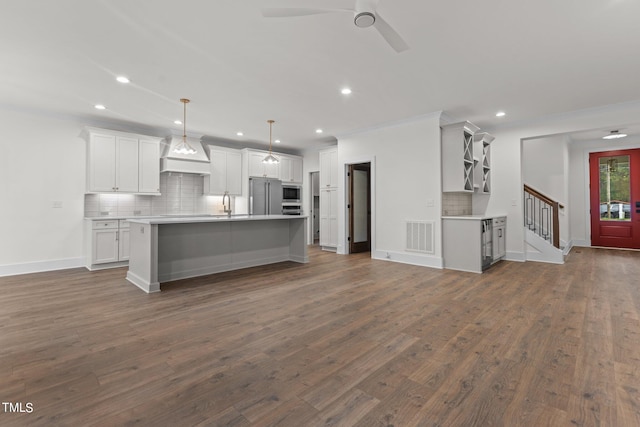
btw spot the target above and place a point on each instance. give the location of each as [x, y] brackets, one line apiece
[541, 215]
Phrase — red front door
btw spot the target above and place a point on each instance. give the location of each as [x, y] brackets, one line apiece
[615, 198]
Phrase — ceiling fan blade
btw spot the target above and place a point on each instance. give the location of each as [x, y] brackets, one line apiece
[390, 35]
[286, 12]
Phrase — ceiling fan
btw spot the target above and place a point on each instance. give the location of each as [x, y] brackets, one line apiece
[365, 15]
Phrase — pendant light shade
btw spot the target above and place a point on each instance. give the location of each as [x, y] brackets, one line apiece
[270, 158]
[183, 147]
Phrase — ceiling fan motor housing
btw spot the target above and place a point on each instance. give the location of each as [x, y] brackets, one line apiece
[364, 19]
[365, 13]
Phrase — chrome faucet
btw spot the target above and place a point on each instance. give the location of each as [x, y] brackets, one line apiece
[227, 210]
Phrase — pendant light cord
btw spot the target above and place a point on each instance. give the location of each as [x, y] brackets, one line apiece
[184, 119]
[271, 122]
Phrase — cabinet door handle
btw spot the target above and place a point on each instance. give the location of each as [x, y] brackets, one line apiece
[500, 233]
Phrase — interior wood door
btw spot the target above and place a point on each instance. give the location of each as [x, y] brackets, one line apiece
[359, 208]
[615, 198]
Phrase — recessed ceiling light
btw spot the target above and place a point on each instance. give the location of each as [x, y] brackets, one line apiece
[614, 135]
[501, 114]
[178, 122]
[99, 107]
[277, 141]
[122, 79]
[345, 91]
[239, 133]
[319, 130]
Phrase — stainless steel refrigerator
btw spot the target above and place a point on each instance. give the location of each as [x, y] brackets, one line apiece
[265, 196]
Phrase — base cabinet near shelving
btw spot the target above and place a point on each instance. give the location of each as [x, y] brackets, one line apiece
[473, 242]
[106, 243]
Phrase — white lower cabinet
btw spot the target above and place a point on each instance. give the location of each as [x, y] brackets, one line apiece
[499, 238]
[473, 243]
[123, 242]
[106, 243]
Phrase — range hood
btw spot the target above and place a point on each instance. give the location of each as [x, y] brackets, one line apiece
[171, 161]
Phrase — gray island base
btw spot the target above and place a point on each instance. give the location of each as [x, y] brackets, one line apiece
[172, 248]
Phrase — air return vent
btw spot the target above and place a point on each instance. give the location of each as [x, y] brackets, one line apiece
[420, 236]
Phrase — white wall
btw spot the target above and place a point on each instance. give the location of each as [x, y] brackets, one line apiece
[545, 164]
[506, 160]
[42, 160]
[407, 175]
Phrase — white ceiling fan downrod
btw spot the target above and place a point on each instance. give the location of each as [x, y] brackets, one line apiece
[365, 15]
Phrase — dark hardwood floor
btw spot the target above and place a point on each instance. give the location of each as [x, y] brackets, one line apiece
[341, 341]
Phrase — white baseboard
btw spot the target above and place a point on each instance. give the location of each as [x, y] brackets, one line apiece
[515, 256]
[581, 243]
[406, 258]
[40, 266]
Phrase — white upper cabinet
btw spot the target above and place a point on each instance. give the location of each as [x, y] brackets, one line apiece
[482, 172]
[329, 198]
[259, 169]
[329, 168]
[291, 169]
[149, 166]
[121, 162]
[101, 167]
[126, 164]
[226, 172]
[458, 161]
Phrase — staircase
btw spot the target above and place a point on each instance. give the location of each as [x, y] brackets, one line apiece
[542, 227]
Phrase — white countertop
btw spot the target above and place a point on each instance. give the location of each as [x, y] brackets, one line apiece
[473, 217]
[210, 218]
[115, 217]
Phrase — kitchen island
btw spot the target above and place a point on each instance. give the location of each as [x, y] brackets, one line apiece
[171, 248]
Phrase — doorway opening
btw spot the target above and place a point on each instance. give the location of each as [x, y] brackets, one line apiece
[614, 178]
[359, 207]
[315, 208]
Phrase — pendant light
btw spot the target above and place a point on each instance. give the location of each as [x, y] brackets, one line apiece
[183, 147]
[271, 159]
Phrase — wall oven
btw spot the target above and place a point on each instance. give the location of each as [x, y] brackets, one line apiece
[291, 209]
[291, 193]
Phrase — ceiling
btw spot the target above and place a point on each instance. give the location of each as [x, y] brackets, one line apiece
[467, 58]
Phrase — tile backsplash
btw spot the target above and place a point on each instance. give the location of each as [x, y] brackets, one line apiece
[181, 194]
[456, 204]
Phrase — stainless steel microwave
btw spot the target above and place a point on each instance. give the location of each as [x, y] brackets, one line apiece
[291, 193]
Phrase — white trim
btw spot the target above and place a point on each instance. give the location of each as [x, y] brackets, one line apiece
[434, 114]
[142, 284]
[40, 266]
[405, 258]
[515, 256]
[581, 243]
[343, 220]
[106, 266]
